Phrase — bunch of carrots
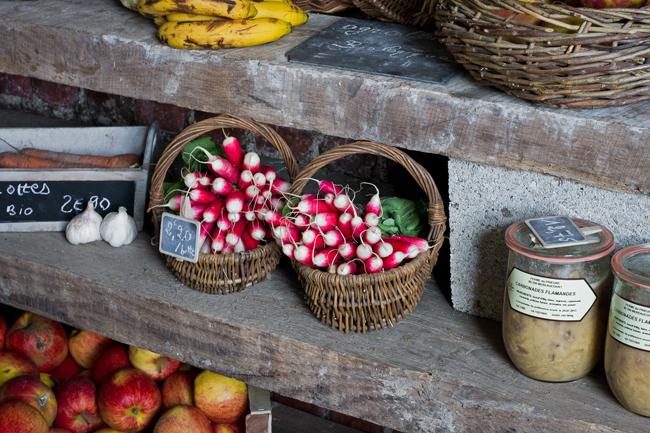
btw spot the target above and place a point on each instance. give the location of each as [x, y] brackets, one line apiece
[32, 158]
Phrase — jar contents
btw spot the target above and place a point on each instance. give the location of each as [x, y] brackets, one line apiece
[627, 349]
[555, 305]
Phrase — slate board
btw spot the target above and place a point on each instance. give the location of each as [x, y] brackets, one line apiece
[45, 201]
[179, 237]
[556, 231]
[380, 48]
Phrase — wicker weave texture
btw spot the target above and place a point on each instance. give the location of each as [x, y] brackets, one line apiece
[219, 273]
[361, 303]
[413, 12]
[551, 53]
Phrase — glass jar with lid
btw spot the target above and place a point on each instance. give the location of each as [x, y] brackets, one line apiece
[556, 303]
[627, 348]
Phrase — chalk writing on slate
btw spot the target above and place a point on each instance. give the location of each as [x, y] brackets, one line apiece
[41, 201]
[179, 237]
[556, 231]
[379, 48]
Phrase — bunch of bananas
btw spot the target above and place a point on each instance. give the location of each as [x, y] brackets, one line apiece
[200, 24]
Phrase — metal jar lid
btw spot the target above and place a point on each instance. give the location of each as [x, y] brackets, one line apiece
[632, 264]
[518, 239]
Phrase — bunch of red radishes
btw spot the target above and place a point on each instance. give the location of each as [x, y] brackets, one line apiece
[329, 232]
[229, 198]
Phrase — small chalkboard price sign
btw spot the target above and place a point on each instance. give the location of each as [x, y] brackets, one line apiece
[179, 237]
[556, 232]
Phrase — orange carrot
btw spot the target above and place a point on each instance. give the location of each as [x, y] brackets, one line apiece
[17, 160]
[93, 161]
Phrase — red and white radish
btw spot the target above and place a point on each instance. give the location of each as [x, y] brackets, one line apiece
[328, 187]
[421, 244]
[213, 211]
[303, 255]
[383, 249]
[287, 250]
[373, 265]
[251, 192]
[250, 243]
[192, 211]
[371, 219]
[224, 168]
[251, 162]
[326, 257]
[205, 231]
[313, 239]
[302, 221]
[345, 224]
[223, 223]
[358, 227]
[257, 230]
[314, 206]
[269, 173]
[234, 217]
[372, 235]
[364, 251]
[233, 150]
[325, 221]
[234, 234]
[235, 202]
[348, 250]
[409, 250]
[245, 179]
[286, 234]
[218, 240]
[394, 260]
[280, 186]
[250, 215]
[196, 179]
[374, 205]
[333, 238]
[347, 268]
[221, 186]
[259, 180]
[202, 196]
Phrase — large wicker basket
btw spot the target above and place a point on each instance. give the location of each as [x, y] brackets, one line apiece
[219, 273]
[413, 12]
[551, 52]
[361, 303]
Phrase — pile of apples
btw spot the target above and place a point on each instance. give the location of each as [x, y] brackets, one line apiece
[52, 382]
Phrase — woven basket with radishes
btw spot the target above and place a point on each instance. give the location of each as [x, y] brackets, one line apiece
[230, 193]
[358, 273]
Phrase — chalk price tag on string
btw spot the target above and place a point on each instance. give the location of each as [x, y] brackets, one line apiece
[558, 232]
[179, 237]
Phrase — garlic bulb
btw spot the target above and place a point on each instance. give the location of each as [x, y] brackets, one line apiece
[84, 228]
[118, 228]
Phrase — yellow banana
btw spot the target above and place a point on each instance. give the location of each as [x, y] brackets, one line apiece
[281, 10]
[223, 33]
[234, 9]
[179, 17]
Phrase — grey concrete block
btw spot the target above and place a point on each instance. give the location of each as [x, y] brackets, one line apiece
[485, 200]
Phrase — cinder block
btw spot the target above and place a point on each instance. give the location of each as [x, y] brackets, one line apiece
[485, 200]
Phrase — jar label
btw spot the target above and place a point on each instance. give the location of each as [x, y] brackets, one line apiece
[549, 298]
[629, 323]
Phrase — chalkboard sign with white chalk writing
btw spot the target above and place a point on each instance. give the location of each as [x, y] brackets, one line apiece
[179, 237]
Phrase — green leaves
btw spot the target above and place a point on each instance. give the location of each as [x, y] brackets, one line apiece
[290, 206]
[402, 216]
[173, 188]
[194, 157]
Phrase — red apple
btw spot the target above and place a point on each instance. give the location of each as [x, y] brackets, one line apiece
[40, 339]
[603, 4]
[77, 406]
[14, 364]
[3, 332]
[31, 390]
[222, 399]
[85, 347]
[228, 428]
[128, 400]
[108, 430]
[19, 417]
[157, 367]
[66, 370]
[182, 419]
[110, 360]
[59, 430]
[178, 389]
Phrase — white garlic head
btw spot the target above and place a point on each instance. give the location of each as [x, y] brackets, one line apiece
[84, 228]
[118, 228]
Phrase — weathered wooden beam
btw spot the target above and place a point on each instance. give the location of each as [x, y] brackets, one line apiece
[100, 46]
[436, 371]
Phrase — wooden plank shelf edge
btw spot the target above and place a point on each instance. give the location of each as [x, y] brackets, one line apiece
[436, 371]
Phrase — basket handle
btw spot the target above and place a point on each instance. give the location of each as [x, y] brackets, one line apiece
[436, 210]
[196, 130]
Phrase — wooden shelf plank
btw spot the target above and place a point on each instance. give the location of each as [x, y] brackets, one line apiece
[99, 45]
[438, 370]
